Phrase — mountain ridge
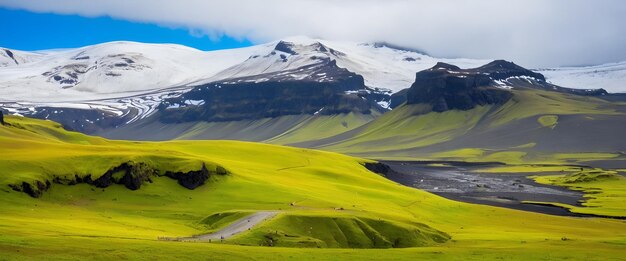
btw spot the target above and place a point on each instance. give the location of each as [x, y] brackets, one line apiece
[59, 85]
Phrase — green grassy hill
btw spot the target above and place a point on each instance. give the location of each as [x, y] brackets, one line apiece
[325, 199]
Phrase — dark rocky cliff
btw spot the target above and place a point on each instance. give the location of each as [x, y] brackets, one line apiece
[448, 87]
[325, 89]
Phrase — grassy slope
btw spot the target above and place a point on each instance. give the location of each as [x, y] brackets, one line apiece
[71, 221]
[529, 102]
[279, 130]
[413, 132]
[605, 191]
[322, 126]
[408, 127]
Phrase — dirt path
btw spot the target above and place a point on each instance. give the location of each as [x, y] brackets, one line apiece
[235, 228]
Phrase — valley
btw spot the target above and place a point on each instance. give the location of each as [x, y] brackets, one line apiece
[342, 203]
[306, 149]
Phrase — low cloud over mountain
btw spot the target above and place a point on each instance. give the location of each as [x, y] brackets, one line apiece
[535, 33]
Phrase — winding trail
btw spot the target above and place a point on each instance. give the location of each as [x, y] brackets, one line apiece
[241, 225]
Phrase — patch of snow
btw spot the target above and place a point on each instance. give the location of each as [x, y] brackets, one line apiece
[194, 102]
[384, 104]
[173, 106]
[611, 77]
[318, 111]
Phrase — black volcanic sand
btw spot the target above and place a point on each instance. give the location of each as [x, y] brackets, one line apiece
[464, 182]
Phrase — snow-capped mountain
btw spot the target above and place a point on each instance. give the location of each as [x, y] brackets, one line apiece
[122, 82]
[129, 80]
[317, 88]
[382, 66]
[109, 69]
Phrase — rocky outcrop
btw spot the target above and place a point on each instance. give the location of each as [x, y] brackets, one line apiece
[447, 87]
[322, 88]
[11, 55]
[517, 76]
[501, 70]
[285, 47]
[1, 118]
[192, 179]
[398, 98]
[34, 190]
[131, 175]
[377, 167]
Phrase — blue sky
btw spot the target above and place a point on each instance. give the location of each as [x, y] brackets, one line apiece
[24, 30]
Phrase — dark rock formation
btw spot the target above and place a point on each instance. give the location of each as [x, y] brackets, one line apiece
[378, 168]
[34, 190]
[130, 174]
[193, 179]
[72, 181]
[1, 118]
[447, 87]
[285, 47]
[10, 54]
[501, 69]
[510, 72]
[321, 88]
[398, 98]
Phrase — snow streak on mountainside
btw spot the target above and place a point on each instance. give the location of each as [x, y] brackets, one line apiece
[12, 57]
[611, 77]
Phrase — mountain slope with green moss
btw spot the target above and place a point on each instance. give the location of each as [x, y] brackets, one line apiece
[533, 126]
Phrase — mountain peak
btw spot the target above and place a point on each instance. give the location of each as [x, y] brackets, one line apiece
[307, 48]
[501, 69]
[448, 87]
[502, 64]
[300, 40]
[445, 66]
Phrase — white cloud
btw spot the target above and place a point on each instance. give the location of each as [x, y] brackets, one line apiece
[531, 32]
